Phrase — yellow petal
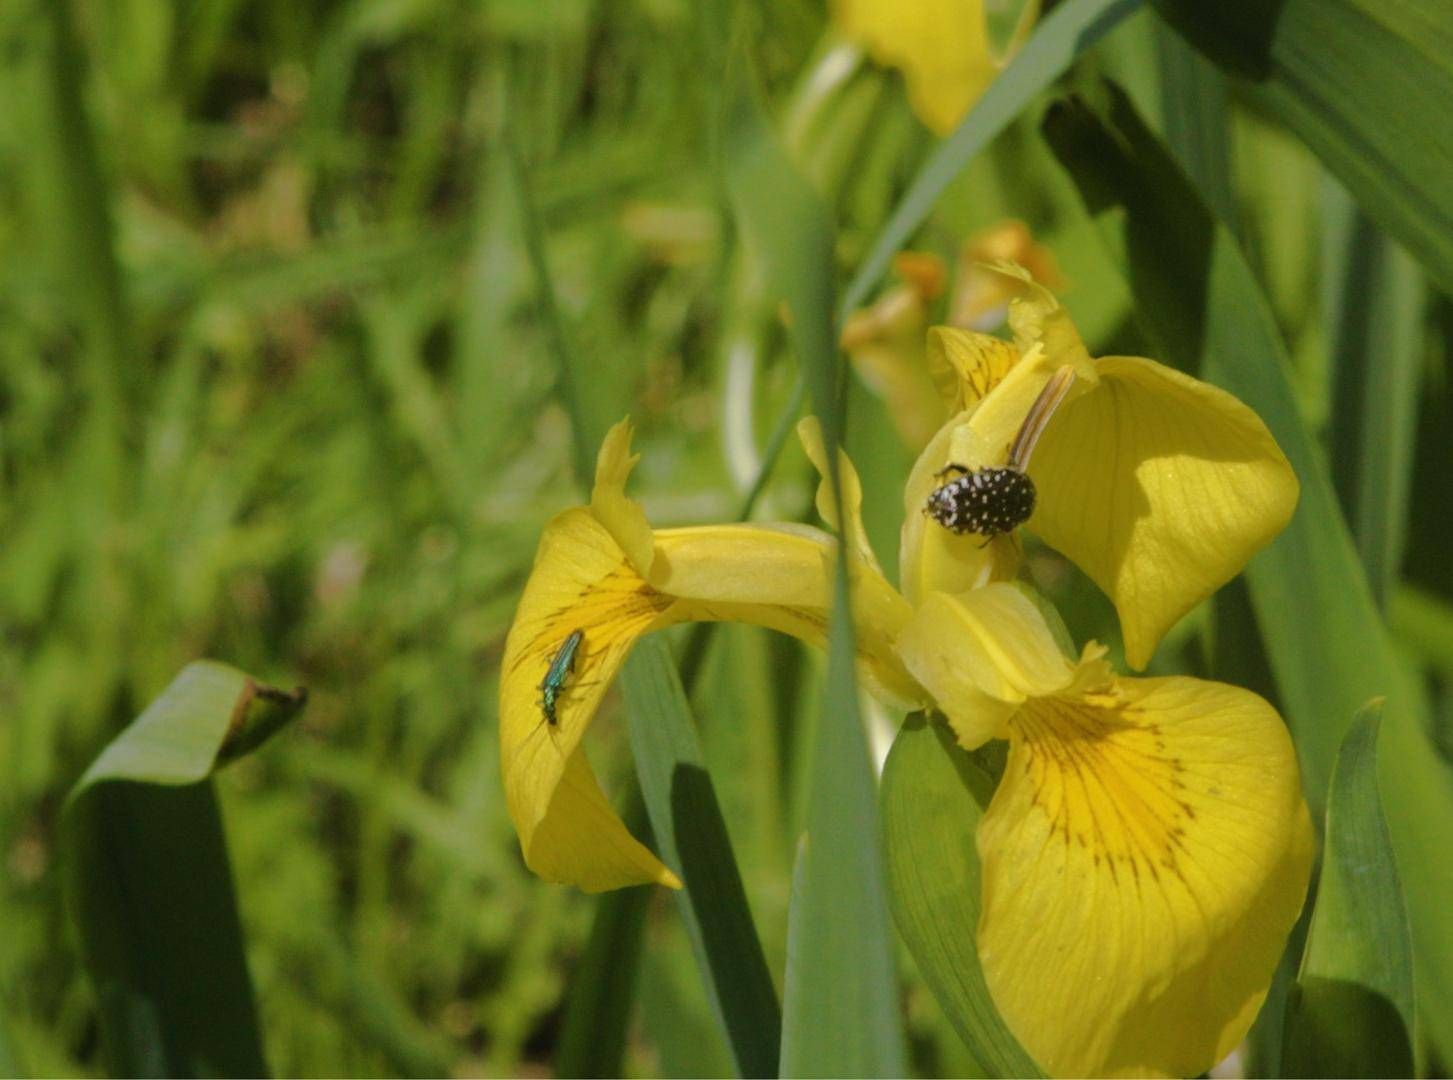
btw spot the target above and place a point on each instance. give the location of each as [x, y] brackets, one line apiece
[582, 581]
[809, 431]
[1144, 858]
[1160, 487]
[941, 46]
[966, 365]
[780, 576]
[622, 516]
[983, 653]
[1038, 320]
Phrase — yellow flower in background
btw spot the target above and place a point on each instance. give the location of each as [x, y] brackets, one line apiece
[886, 342]
[941, 46]
[981, 295]
[1148, 848]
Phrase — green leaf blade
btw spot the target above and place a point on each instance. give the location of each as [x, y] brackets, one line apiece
[932, 797]
[1365, 84]
[1373, 304]
[840, 1007]
[691, 835]
[1351, 1012]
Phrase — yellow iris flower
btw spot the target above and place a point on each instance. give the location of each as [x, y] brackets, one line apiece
[1148, 848]
[941, 46]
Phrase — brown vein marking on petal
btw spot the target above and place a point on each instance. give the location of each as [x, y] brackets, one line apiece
[988, 371]
[1102, 775]
[617, 606]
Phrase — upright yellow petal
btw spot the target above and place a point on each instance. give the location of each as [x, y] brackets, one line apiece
[930, 557]
[850, 528]
[622, 516]
[933, 559]
[966, 365]
[582, 580]
[1144, 858]
[1039, 320]
[1160, 487]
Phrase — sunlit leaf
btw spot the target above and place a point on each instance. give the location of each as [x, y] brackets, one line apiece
[149, 886]
[840, 1007]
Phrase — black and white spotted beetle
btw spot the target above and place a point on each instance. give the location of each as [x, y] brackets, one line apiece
[987, 501]
[997, 499]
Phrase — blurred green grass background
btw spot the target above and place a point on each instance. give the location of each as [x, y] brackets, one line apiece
[275, 388]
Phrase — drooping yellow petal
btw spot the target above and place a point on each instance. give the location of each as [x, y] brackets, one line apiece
[780, 576]
[983, 653]
[622, 516]
[1160, 487]
[942, 47]
[885, 345]
[582, 580]
[850, 528]
[1144, 858]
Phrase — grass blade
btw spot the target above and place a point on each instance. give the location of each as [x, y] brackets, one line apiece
[691, 835]
[585, 423]
[1067, 32]
[80, 219]
[933, 794]
[840, 1008]
[148, 884]
[1329, 650]
[1374, 311]
[1345, 76]
[1351, 1012]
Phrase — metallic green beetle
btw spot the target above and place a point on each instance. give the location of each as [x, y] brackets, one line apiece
[553, 684]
